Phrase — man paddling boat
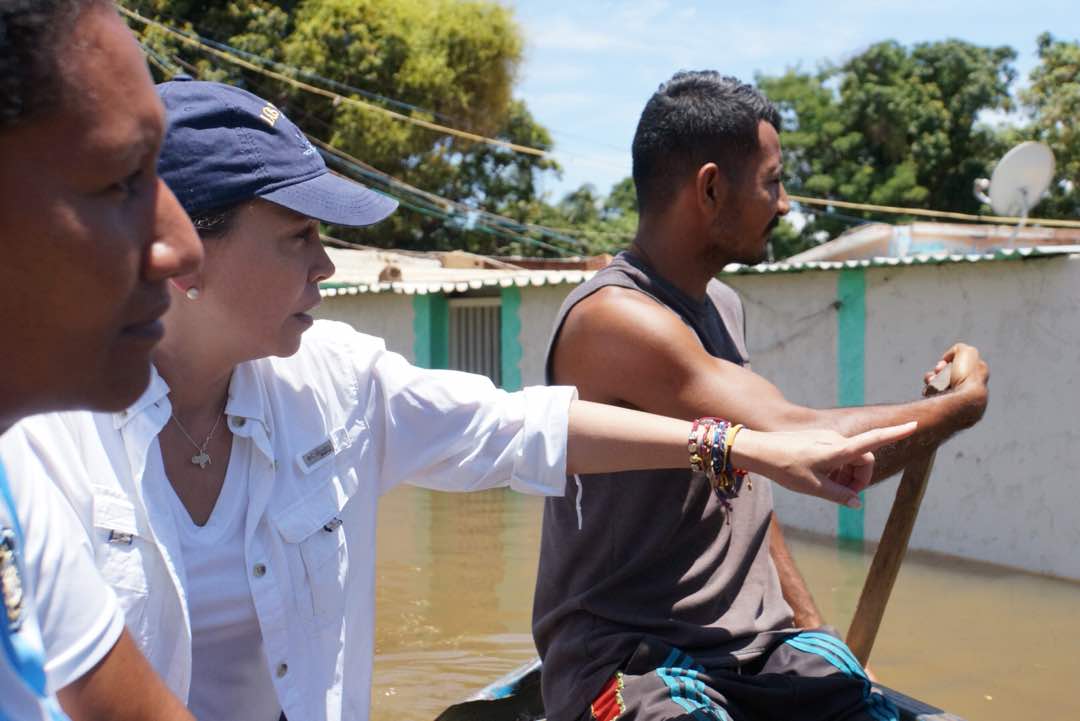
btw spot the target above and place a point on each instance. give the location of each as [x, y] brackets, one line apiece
[657, 597]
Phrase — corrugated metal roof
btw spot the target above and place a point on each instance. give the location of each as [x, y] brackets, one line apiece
[374, 271]
[875, 240]
[359, 270]
[1039, 251]
[462, 280]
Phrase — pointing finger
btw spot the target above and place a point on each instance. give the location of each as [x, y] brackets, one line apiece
[876, 438]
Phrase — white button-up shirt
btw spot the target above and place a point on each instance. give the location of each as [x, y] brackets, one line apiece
[58, 619]
[335, 426]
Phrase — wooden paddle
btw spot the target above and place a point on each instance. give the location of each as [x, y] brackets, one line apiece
[894, 542]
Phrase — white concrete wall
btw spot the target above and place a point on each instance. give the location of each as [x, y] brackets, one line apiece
[386, 315]
[791, 334]
[1007, 490]
[539, 308]
[390, 316]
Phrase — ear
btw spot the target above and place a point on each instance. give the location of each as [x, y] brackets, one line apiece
[712, 188]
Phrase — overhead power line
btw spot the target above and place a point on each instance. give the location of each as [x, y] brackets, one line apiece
[462, 215]
[231, 55]
[1047, 222]
[455, 214]
[234, 59]
[330, 82]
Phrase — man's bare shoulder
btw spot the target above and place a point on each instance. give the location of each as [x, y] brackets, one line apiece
[613, 311]
[615, 339]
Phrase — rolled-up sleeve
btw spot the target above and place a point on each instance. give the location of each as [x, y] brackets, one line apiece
[456, 431]
[541, 464]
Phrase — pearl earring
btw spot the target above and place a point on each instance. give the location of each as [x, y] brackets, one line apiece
[192, 293]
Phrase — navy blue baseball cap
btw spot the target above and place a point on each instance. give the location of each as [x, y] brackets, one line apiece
[224, 145]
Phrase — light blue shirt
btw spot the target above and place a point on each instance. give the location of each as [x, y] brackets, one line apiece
[23, 694]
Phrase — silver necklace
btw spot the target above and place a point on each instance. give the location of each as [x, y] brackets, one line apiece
[202, 458]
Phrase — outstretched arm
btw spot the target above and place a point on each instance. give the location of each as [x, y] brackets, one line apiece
[618, 346]
[608, 439]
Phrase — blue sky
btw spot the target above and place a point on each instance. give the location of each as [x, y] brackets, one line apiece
[590, 66]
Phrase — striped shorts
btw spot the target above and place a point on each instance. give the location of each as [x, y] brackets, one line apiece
[810, 676]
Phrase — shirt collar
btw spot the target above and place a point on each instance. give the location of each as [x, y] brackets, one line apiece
[247, 400]
[155, 395]
[248, 408]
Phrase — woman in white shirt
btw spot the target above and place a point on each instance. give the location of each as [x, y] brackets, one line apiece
[233, 506]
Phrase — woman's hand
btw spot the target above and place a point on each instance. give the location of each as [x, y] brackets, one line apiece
[817, 463]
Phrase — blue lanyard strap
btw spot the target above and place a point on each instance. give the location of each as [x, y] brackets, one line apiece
[9, 501]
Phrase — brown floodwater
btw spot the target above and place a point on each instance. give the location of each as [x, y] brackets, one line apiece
[455, 579]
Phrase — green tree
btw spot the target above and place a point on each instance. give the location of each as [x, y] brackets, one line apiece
[454, 61]
[892, 126]
[1052, 98]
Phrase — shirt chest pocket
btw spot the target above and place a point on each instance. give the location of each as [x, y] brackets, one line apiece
[314, 528]
[121, 548]
[124, 554]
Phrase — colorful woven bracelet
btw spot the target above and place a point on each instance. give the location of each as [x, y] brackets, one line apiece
[734, 475]
[709, 445]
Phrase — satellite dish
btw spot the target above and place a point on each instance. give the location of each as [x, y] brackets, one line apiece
[1021, 178]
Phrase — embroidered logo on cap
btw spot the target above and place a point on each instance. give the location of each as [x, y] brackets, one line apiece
[270, 114]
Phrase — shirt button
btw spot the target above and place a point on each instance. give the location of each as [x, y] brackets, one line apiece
[282, 669]
[259, 570]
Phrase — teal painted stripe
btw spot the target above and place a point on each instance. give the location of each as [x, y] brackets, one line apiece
[431, 342]
[851, 373]
[440, 331]
[510, 338]
[422, 330]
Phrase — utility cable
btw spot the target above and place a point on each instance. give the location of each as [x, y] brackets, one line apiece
[1047, 222]
[459, 215]
[371, 172]
[337, 97]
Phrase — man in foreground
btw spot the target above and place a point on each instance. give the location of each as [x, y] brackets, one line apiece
[89, 236]
[664, 600]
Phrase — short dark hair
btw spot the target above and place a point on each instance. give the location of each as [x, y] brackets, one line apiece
[31, 32]
[695, 118]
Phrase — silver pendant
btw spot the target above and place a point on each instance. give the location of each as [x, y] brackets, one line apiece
[201, 459]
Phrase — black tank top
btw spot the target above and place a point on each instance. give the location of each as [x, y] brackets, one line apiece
[653, 554]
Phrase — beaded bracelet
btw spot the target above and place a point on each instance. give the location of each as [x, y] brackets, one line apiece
[735, 474]
[709, 446]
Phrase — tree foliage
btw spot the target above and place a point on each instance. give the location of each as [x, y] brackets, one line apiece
[1052, 99]
[454, 61]
[893, 125]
